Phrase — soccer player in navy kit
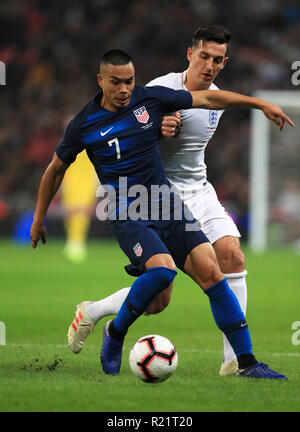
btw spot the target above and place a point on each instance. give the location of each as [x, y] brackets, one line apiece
[111, 128]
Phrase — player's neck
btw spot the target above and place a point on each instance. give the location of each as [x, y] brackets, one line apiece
[104, 104]
[193, 84]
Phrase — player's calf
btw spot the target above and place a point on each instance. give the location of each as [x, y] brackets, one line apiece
[160, 302]
[202, 266]
[143, 291]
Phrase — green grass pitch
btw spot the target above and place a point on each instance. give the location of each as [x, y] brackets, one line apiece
[39, 290]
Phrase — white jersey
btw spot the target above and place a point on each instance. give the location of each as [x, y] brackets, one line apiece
[183, 160]
[183, 156]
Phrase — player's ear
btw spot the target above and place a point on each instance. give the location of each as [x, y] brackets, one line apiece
[189, 53]
[225, 61]
[100, 80]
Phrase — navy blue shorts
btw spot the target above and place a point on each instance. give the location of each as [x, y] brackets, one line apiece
[140, 240]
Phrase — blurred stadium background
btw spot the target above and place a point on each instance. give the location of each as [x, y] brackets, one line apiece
[51, 51]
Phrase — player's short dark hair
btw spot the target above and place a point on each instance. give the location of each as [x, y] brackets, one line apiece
[115, 57]
[211, 32]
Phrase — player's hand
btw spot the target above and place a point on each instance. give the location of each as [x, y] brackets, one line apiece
[275, 114]
[38, 232]
[171, 125]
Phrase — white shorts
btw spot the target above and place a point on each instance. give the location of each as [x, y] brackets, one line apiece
[203, 202]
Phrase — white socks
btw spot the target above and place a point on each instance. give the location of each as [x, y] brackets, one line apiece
[237, 282]
[108, 306]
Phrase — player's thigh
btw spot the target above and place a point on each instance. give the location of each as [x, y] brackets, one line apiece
[229, 254]
[160, 260]
[214, 220]
[219, 228]
[202, 266]
[142, 245]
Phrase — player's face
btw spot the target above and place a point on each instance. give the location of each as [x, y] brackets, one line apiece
[206, 61]
[117, 83]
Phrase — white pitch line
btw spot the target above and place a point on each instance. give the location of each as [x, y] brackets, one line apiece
[94, 347]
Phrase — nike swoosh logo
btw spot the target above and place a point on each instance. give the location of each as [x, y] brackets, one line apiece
[104, 133]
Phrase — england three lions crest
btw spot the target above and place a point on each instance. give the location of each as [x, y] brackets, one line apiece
[141, 114]
[213, 118]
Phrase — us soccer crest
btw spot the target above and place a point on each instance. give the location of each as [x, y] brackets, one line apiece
[213, 118]
[141, 114]
[138, 250]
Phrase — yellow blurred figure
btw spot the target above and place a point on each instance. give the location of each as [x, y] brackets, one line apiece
[78, 197]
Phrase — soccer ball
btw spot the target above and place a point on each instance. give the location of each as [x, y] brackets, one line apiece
[153, 358]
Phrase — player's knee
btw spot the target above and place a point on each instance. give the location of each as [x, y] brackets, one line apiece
[163, 276]
[160, 279]
[233, 261]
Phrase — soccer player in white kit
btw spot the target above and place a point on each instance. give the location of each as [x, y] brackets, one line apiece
[184, 162]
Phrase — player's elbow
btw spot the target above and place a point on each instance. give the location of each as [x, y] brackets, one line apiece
[199, 100]
[57, 166]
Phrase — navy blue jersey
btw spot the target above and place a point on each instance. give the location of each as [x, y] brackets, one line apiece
[124, 143]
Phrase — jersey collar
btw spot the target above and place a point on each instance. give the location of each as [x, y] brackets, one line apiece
[183, 78]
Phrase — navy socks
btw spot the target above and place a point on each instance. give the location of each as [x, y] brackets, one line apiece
[229, 317]
[225, 308]
[144, 289]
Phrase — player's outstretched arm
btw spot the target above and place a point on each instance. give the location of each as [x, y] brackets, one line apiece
[49, 185]
[222, 99]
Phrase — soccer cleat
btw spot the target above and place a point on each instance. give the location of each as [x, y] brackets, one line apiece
[229, 368]
[80, 328]
[111, 352]
[260, 370]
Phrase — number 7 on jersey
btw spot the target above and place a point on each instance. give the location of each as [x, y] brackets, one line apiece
[116, 142]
